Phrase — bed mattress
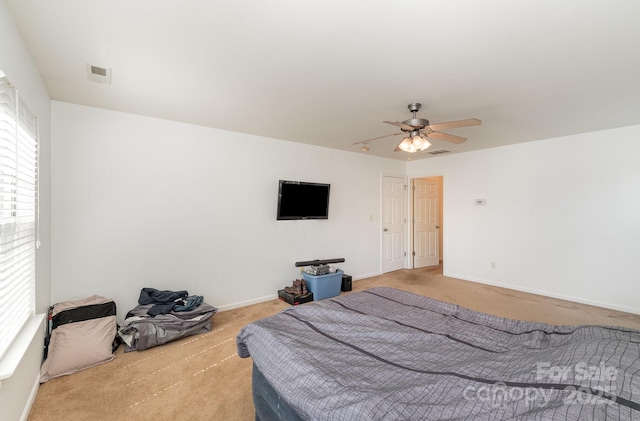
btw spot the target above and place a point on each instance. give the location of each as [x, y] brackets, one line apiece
[387, 354]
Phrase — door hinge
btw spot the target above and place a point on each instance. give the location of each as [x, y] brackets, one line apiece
[405, 254]
[414, 253]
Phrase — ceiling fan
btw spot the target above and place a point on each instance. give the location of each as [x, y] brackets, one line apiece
[419, 130]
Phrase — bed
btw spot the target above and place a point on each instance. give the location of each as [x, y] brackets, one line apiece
[388, 354]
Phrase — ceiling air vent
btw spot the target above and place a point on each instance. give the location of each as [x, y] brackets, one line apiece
[99, 74]
[438, 152]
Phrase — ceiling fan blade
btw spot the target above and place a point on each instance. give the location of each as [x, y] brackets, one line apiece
[401, 125]
[455, 124]
[376, 138]
[447, 137]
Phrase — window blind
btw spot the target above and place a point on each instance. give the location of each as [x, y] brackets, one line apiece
[18, 213]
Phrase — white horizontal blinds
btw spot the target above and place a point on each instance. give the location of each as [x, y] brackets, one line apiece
[18, 213]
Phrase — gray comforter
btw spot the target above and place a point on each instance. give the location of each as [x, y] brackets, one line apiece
[389, 354]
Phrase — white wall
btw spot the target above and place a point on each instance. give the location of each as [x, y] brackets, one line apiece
[143, 202]
[15, 62]
[146, 202]
[561, 216]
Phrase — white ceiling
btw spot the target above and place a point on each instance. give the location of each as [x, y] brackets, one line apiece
[329, 72]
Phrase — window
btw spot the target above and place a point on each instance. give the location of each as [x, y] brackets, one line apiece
[18, 212]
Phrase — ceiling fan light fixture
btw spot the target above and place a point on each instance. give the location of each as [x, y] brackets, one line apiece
[417, 141]
[406, 145]
[414, 143]
[425, 144]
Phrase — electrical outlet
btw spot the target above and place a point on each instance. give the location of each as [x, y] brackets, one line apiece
[493, 265]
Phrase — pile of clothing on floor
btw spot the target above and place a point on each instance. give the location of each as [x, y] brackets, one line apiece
[164, 316]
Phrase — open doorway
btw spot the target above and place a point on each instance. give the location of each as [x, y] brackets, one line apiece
[427, 221]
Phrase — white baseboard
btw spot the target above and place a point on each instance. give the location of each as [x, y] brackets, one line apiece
[368, 275]
[477, 280]
[32, 398]
[549, 294]
[275, 296]
[248, 302]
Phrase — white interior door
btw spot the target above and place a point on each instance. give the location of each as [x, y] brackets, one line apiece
[426, 250]
[393, 223]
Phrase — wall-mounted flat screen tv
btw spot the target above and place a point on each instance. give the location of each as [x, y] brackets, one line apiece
[302, 200]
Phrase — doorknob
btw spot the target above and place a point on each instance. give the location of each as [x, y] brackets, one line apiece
[437, 227]
[386, 229]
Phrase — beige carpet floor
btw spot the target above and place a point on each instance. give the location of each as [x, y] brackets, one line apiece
[202, 378]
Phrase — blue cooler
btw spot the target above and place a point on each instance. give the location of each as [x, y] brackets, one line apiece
[324, 286]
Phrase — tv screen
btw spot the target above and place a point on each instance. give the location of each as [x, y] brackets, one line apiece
[302, 200]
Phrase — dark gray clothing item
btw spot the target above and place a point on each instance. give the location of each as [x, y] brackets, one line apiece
[189, 304]
[154, 296]
[164, 300]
